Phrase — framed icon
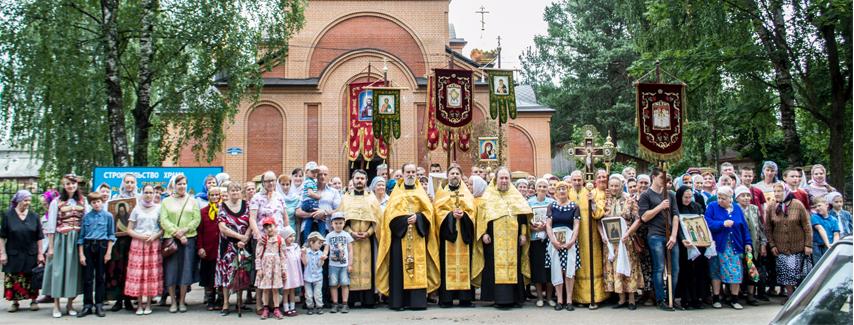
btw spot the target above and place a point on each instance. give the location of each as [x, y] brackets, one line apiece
[386, 104]
[500, 85]
[695, 229]
[487, 148]
[540, 214]
[366, 105]
[121, 209]
[613, 227]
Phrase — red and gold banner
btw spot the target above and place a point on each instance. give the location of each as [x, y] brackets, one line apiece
[361, 136]
[432, 130]
[453, 97]
[660, 117]
[449, 97]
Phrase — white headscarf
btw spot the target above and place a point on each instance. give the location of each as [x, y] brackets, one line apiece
[478, 186]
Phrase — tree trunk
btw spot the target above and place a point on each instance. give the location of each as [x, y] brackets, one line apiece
[115, 110]
[840, 92]
[774, 42]
[142, 111]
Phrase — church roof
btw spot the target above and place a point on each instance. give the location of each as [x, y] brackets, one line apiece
[526, 100]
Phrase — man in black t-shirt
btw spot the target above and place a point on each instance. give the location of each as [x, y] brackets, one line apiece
[655, 207]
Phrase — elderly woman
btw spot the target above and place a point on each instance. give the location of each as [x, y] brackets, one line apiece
[625, 284]
[562, 223]
[757, 233]
[732, 239]
[378, 187]
[787, 225]
[267, 203]
[643, 183]
[522, 186]
[540, 262]
[179, 219]
[234, 229]
[20, 238]
[694, 279]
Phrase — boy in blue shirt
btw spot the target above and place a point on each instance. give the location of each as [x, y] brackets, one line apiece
[95, 245]
[825, 229]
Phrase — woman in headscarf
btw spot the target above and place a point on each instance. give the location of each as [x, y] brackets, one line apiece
[283, 187]
[145, 264]
[787, 226]
[693, 284]
[202, 197]
[293, 196]
[20, 238]
[817, 185]
[378, 188]
[179, 218]
[627, 280]
[732, 239]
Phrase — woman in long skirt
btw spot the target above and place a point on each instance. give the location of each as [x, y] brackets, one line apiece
[179, 218]
[62, 276]
[20, 238]
[145, 265]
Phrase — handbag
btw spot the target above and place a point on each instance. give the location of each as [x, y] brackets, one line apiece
[38, 277]
[169, 246]
[805, 268]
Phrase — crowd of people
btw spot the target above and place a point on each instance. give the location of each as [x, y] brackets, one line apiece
[413, 236]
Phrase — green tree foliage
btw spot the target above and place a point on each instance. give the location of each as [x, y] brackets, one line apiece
[770, 79]
[580, 68]
[79, 78]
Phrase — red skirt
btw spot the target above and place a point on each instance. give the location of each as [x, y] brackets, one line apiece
[145, 269]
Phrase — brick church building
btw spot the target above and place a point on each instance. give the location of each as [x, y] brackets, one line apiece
[302, 113]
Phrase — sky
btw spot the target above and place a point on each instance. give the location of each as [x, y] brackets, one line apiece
[516, 21]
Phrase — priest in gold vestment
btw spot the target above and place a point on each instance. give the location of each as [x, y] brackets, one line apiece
[500, 265]
[455, 213]
[582, 291]
[407, 257]
[362, 214]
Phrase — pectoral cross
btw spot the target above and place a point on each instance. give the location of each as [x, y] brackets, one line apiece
[410, 257]
[456, 196]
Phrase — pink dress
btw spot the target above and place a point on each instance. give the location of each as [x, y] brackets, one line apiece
[294, 267]
[270, 263]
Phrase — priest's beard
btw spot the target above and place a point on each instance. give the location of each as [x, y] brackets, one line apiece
[409, 181]
[503, 188]
[455, 182]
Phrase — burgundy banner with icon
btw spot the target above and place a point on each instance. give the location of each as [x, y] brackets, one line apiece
[660, 117]
[361, 136]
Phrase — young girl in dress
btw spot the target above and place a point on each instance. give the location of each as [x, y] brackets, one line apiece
[145, 265]
[270, 264]
[293, 265]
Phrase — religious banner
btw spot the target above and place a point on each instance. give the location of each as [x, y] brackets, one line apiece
[660, 117]
[361, 136]
[432, 130]
[502, 94]
[451, 94]
[387, 116]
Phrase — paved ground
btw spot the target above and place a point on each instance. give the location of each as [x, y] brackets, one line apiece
[434, 315]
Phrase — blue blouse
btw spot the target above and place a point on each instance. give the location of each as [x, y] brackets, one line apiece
[715, 217]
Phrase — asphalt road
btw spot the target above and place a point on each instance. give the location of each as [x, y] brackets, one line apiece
[529, 314]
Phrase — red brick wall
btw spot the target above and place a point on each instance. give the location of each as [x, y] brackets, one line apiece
[521, 150]
[187, 159]
[264, 141]
[312, 127]
[367, 32]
